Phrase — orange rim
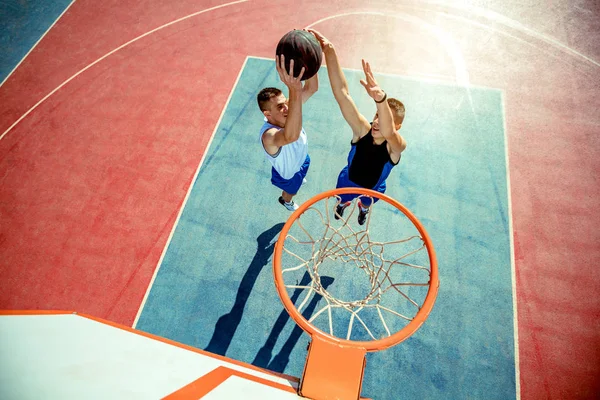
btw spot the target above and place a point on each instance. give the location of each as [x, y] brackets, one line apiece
[373, 345]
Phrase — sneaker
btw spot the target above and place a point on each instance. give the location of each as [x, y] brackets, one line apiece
[339, 210]
[362, 215]
[291, 206]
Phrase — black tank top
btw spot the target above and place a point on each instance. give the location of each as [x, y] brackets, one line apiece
[368, 161]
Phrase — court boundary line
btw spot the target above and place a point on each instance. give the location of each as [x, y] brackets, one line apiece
[111, 53]
[488, 15]
[36, 43]
[427, 78]
[187, 195]
[515, 24]
[513, 269]
[462, 75]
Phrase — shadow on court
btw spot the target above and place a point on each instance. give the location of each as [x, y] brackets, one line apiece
[281, 360]
[227, 324]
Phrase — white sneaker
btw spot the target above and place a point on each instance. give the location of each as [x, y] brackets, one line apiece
[291, 206]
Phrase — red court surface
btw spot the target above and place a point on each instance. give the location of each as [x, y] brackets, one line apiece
[93, 177]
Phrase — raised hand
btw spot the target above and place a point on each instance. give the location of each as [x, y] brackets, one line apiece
[370, 84]
[323, 41]
[293, 83]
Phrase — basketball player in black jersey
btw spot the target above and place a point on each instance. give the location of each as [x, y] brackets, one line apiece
[376, 146]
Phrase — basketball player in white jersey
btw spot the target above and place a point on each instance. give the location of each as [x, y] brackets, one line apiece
[376, 146]
[282, 137]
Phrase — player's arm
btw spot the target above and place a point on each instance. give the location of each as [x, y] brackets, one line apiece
[275, 138]
[311, 86]
[386, 119]
[359, 124]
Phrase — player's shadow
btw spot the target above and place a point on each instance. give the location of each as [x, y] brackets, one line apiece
[227, 324]
[281, 360]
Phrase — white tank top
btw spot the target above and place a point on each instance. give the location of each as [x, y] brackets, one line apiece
[290, 157]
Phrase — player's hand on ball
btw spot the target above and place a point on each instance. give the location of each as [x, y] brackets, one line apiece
[323, 41]
[293, 83]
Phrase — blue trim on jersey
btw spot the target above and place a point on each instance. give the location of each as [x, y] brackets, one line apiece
[293, 184]
[344, 180]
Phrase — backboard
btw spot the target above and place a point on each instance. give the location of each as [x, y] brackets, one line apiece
[70, 356]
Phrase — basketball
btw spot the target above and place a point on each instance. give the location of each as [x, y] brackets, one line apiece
[304, 49]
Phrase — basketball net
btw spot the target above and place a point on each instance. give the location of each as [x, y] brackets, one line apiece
[355, 249]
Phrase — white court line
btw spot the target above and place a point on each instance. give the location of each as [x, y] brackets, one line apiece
[112, 52]
[556, 56]
[462, 75]
[36, 43]
[512, 255]
[493, 16]
[432, 78]
[506, 21]
[162, 256]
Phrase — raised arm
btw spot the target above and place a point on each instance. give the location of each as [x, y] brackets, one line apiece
[293, 123]
[359, 124]
[387, 126]
[311, 86]
[275, 138]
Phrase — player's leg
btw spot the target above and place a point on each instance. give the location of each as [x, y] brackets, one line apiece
[286, 200]
[345, 199]
[287, 197]
[365, 202]
[289, 187]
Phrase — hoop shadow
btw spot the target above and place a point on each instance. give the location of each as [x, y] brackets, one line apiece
[227, 324]
[281, 360]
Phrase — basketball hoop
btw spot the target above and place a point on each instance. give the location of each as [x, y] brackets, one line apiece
[384, 274]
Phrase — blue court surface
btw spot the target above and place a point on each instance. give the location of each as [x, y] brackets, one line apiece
[214, 289]
[22, 24]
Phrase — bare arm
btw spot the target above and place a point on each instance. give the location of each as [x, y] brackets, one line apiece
[293, 123]
[275, 138]
[359, 124]
[310, 87]
[386, 118]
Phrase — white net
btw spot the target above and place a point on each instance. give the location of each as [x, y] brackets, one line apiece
[356, 282]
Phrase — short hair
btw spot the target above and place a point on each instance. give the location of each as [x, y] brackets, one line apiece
[398, 110]
[265, 95]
